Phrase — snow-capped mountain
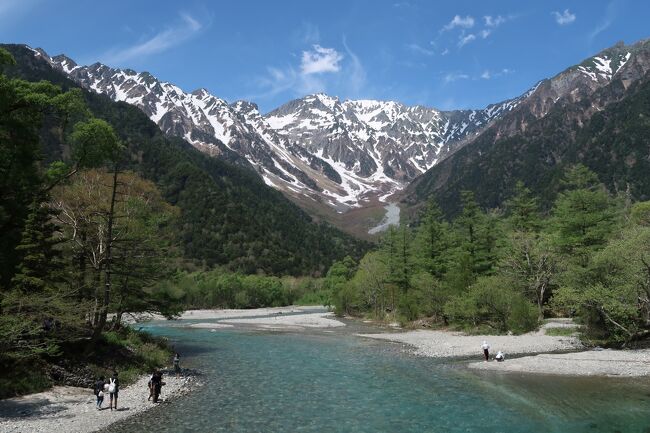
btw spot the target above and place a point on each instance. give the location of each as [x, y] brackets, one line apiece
[337, 152]
[340, 153]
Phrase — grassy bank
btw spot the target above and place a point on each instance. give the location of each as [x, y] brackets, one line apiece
[129, 352]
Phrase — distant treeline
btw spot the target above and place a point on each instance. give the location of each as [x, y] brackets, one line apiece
[221, 288]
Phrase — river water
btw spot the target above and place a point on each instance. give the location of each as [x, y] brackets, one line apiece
[334, 381]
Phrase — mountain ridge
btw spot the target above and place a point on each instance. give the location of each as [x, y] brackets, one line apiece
[563, 123]
[342, 154]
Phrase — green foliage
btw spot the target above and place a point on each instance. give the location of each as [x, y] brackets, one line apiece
[25, 378]
[490, 301]
[641, 213]
[612, 295]
[523, 209]
[505, 272]
[93, 142]
[582, 216]
[221, 288]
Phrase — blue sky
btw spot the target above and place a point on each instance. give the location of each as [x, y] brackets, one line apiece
[446, 55]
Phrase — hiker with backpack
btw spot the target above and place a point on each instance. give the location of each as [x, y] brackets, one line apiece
[113, 389]
[99, 391]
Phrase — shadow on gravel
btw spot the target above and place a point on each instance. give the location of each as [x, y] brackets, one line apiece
[15, 409]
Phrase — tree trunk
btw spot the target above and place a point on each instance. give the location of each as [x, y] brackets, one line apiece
[99, 327]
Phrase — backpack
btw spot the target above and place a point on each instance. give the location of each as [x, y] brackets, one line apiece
[111, 386]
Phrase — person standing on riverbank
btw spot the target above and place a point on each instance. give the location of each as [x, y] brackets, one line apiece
[99, 391]
[157, 383]
[113, 389]
[486, 350]
[177, 364]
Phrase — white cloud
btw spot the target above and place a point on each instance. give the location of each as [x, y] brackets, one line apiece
[465, 39]
[487, 75]
[419, 49]
[321, 69]
[564, 18]
[485, 33]
[445, 52]
[455, 76]
[491, 21]
[162, 41]
[320, 60]
[458, 21]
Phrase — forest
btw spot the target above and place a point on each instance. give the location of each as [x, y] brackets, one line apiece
[505, 270]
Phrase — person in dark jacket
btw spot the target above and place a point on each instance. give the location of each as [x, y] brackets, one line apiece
[99, 391]
[157, 384]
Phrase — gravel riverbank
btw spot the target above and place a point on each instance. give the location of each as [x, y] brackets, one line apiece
[446, 344]
[72, 410]
[614, 363]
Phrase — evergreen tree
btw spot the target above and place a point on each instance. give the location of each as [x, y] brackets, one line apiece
[431, 241]
[40, 259]
[477, 235]
[523, 210]
[582, 215]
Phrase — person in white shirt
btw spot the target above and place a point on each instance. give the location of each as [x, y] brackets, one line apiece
[486, 350]
[500, 356]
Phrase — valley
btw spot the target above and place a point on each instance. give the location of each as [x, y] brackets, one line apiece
[336, 216]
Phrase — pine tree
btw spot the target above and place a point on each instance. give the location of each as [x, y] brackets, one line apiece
[582, 215]
[523, 209]
[431, 241]
[40, 259]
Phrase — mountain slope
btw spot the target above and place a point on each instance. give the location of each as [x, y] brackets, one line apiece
[342, 154]
[595, 113]
[228, 215]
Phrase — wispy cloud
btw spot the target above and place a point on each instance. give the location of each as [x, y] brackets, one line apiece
[418, 49]
[463, 24]
[466, 22]
[564, 18]
[319, 60]
[488, 75]
[464, 39]
[455, 76]
[355, 73]
[491, 21]
[610, 14]
[186, 27]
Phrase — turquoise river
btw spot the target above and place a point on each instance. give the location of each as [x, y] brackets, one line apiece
[335, 381]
